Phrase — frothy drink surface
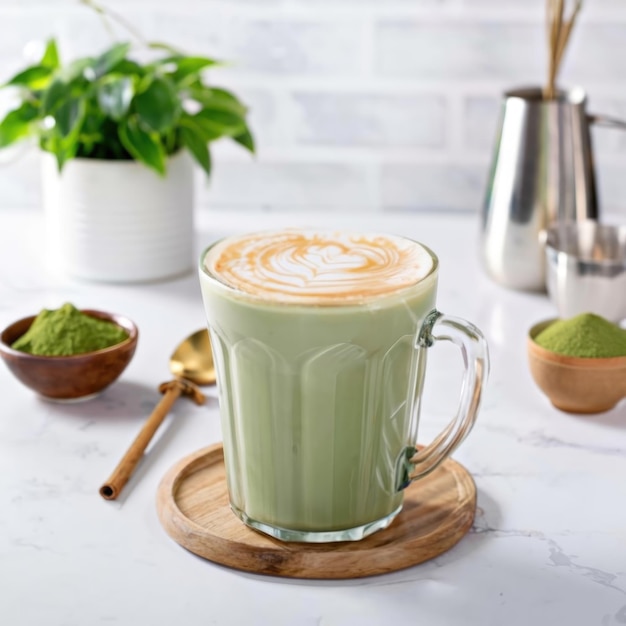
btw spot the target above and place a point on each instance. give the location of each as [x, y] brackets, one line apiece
[318, 267]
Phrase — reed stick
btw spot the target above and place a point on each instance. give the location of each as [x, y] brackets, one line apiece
[559, 31]
[567, 30]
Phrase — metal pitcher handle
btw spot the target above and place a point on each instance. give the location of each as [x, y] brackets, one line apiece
[606, 120]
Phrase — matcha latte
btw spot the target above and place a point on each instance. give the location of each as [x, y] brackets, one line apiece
[313, 336]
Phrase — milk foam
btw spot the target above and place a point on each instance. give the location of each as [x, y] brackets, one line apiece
[318, 267]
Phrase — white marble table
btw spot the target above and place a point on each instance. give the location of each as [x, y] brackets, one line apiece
[549, 542]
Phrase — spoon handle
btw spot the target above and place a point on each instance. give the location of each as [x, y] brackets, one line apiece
[122, 473]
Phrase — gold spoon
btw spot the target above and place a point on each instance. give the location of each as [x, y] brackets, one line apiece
[192, 364]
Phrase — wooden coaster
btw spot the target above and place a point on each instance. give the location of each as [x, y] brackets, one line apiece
[192, 503]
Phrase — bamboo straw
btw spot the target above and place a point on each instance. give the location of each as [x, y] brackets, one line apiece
[558, 34]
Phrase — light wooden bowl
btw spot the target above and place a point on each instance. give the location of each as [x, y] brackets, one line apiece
[574, 384]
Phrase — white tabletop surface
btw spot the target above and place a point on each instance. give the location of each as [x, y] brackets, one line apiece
[549, 541]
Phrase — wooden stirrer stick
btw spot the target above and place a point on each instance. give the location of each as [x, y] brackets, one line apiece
[125, 468]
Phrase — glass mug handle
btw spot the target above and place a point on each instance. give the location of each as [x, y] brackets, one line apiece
[439, 327]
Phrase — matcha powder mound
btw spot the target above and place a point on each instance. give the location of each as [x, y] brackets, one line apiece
[586, 335]
[67, 331]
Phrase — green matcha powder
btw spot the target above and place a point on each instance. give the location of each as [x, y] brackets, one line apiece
[586, 335]
[68, 331]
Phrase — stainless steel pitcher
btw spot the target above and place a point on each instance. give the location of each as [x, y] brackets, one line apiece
[542, 171]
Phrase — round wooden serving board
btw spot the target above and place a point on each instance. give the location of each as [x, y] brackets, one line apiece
[192, 503]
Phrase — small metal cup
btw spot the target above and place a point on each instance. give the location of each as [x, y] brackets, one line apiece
[586, 269]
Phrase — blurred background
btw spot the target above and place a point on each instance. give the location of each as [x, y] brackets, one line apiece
[356, 105]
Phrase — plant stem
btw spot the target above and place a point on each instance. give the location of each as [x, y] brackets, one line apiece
[107, 13]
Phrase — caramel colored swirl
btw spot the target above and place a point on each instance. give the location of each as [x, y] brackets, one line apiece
[318, 267]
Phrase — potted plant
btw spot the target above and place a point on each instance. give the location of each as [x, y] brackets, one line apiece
[118, 140]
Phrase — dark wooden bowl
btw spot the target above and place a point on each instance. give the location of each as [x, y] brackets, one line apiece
[80, 376]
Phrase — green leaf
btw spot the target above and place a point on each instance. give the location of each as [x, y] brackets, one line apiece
[61, 90]
[62, 149]
[128, 68]
[34, 77]
[17, 124]
[192, 139]
[51, 55]
[208, 130]
[63, 140]
[144, 81]
[220, 123]
[54, 95]
[189, 67]
[218, 99]
[69, 116]
[144, 147]
[66, 151]
[114, 95]
[109, 59]
[246, 140]
[158, 107]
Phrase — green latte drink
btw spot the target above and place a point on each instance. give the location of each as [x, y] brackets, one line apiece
[314, 339]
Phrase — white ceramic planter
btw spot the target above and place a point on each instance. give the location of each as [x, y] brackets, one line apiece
[117, 221]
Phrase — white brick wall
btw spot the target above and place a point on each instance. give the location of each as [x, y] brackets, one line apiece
[357, 105]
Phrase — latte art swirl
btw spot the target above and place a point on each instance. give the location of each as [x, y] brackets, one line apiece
[318, 267]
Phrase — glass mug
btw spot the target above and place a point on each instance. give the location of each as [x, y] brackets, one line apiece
[320, 400]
